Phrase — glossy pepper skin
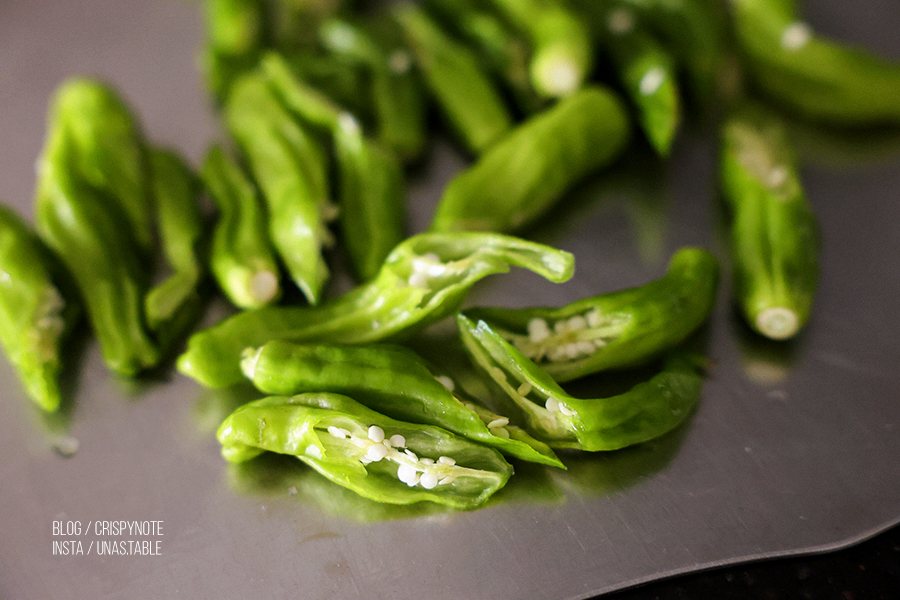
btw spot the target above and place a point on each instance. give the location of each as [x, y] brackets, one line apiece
[291, 169]
[377, 457]
[92, 235]
[35, 316]
[242, 259]
[424, 279]
[391, 380]
[774, 234]
[819, 78]
[467, 97]
[648, 410]
[527, 172]
[614, 330]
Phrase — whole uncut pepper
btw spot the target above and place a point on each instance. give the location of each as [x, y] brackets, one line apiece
[92, 237]
[527, 172]
[562, 53]
[391, 380]
[819, 78]
[615, 330]
[175, 302]
[370, 178]
[648, 410]
[467, 97]
[290, 168]
[35, 317]
[424, 279]
[377, 457]
[241, 257]
[774, 235]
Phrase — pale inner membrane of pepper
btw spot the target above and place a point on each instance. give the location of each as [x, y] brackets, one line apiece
[568, 338]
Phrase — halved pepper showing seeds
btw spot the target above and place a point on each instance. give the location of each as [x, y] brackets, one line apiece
[375, 456]
[424, 279]
[648, 410]
[392, 380]
[618, 329]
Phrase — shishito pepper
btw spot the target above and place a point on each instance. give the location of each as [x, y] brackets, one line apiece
[392, 380]
[35, 316]
[648, 410]
[774, 234]
[527, 172]
[614, 330]
[375, 456]
[424, 279]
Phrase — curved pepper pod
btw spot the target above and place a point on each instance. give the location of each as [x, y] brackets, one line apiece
[391, 380]
[647, 411]
[619, 329]
[424, 279]
[774, 234]
[526, 173]
[822, 79]
[375, 456]
[35, 317]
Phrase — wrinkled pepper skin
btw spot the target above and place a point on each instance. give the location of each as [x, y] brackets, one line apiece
[377, 457]
[647, 411]
[774, 233]
[424, 279]
[35, 316]
[820, 79]
[391, 380]
[525, 174]
[242, 259]
[615, 330]
[467, 97]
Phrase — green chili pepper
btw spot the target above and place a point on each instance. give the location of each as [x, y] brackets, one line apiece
[424, 279]
[619, 329]
[562, 53]
[649, 76]
[774, 237]
[526, 173]
[391, 380]
[371, 184]
[342, 81]
[820, 78]
[107, 150]
[92, 237]
[241, 257]
[35, 316]
[396, 91]
[174, 301]
[291, 169]
[235, 35]
[648, 410]
[377, 457]
[467, 97]
[503, 52]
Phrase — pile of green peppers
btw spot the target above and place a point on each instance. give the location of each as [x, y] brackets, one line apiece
[326, 108]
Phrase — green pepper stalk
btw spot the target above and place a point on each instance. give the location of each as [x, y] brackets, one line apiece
[648, 74]
[647, 411]
[241, 256]
[817, 77]
[466, 95]
[424, 279]
[35, 316]
[173, 303]
[561, 48]
[526, 173]
[389, 379]
[375, 456]
[370, 178]
[774, 236]
[291, 170]
[615, 330]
